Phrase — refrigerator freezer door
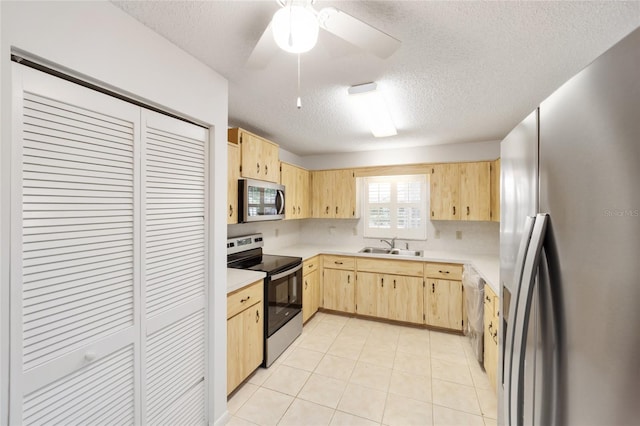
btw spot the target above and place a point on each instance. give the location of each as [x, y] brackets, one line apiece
[589, 184]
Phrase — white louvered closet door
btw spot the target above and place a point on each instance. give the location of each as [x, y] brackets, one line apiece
[174, 158]
[74, 280]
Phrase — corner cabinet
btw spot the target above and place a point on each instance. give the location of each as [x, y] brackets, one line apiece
[297, 187]
[310, 288]
[334, 194]
[244, 333]
[233, 174]
[258, 156]
[443, 299]
[338, 282]
[461, 191]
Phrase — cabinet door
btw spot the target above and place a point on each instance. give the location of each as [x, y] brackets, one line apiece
[289, 178]
[444, 195]
[495, 191]
[270, 161]
[251, 156]
[443, 302]
[244, 345]
[310, 294]
[475, 191]
[339, 290]
[322, 194]
[407, 298]
[490, 344]
[367, 290]
[344, 194]
[302, 192]
[233, 174]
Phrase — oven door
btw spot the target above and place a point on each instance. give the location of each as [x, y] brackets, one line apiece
[284, 298]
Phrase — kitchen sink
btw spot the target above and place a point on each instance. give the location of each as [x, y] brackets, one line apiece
[375, 250]
[395, 251]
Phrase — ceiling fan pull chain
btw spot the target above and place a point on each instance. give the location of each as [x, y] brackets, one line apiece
[299, 102]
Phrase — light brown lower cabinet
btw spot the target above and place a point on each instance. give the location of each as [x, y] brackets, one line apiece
[339, 290]
[443, 302]
[244, 333]
[491, 326]
[310, 288]
[388, 296]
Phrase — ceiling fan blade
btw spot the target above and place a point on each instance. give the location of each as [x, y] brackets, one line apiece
[264, 51]
[358, 33]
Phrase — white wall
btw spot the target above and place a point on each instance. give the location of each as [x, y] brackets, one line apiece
[476, 151]
[101, 43]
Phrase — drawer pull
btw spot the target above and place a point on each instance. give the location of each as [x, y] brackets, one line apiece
[244, 300]
[444, 272]
[311, 265]
[337, 262]
[257, 315]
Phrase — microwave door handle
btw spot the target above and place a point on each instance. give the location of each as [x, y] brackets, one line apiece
[520, 324]
[280, 202]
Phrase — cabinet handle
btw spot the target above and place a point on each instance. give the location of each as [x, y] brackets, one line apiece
[298, 209]
[311, 265]
[266, 169]
[337, 263]
[444, 272]
[258, 167]
[294, 209]
[433, 287]
[230, 210]
[326, 211]
[348, 279]
[305, 284]
[244, 300]
[257, 315]
[382, 282]
[394, 283]
[454, 210]
[336, 209]
[467, 210]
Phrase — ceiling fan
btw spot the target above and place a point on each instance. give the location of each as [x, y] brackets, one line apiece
[294, 28]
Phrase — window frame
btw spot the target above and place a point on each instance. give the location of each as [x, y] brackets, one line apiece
[393, 231]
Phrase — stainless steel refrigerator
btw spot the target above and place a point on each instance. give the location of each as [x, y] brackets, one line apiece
[570, 252]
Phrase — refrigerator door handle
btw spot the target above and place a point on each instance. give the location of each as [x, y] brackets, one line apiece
[517, 280]
[521, 320]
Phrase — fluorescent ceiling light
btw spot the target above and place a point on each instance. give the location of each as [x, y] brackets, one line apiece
[295, 28]
[370, 103]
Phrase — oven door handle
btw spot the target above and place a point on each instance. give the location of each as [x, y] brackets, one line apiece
[285, 273]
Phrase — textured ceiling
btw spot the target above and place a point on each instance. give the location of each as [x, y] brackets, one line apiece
[466, 71]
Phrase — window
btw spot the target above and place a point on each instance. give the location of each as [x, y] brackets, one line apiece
[395, 206]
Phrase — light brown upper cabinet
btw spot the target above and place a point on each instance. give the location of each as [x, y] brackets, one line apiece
[258, 156]
[297, 187]
[233, 174]
[333, 194]
[495, 190]
[461, 191]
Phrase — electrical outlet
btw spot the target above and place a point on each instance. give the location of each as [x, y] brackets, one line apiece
[437, 234]
[458, 235]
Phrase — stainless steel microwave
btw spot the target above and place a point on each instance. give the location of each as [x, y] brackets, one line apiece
[259, 200]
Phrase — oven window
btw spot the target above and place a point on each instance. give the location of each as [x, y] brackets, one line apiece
[284, 300]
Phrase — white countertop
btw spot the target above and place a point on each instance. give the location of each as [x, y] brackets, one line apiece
[487, 266]
[238, 278]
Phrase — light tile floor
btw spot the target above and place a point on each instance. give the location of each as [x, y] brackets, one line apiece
[350, 371]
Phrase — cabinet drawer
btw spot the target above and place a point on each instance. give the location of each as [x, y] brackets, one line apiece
[338, 262]
[241, 299]
[385, 266]
[447, 271]
[310, 265]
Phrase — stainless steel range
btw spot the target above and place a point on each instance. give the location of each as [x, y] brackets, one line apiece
[282, 291]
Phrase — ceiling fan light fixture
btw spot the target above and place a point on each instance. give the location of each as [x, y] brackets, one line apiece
[295, 28]
[371, 105]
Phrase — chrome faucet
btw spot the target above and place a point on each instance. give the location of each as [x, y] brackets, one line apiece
[391, 243]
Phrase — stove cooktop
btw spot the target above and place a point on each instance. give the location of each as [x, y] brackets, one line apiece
[271, 264]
